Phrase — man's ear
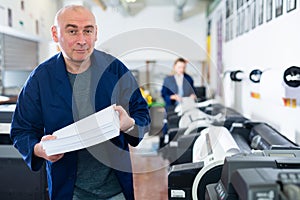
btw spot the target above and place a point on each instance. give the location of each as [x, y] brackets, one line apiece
[96, 33]
[54, 33]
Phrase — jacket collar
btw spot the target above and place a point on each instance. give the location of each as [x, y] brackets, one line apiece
[62, 83]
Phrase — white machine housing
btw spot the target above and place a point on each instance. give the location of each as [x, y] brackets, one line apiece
[213, 145]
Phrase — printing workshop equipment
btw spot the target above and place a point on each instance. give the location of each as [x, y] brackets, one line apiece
[17, 181]
[266, 183]
[263, 137]
[248, 136]
[196, 120]
[177, 138]
[178, 145]
[213, 145]
[291, 83]
[281, 159]
[174, 114]
[181, 178]
[6, 112]
[182, 147]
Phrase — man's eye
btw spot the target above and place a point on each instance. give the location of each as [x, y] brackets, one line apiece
[72, 32]
[88, 31]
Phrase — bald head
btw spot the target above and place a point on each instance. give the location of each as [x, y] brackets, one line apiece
[73, 11]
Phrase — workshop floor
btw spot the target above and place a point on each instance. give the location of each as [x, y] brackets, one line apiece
[150, 172]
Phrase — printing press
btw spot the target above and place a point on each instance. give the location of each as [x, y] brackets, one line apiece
[263, 174]
[6, 112]
[180, 138]
[267, 183]
[211, 147]
[17, 181]
[246, 136]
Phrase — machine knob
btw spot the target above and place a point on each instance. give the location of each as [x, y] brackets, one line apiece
[292, 76]
[236, 75]
[255, 141]
[255, 75]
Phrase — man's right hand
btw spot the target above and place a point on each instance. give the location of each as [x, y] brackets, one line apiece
[40, 152]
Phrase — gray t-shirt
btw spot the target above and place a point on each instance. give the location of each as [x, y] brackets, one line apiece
[94, 179]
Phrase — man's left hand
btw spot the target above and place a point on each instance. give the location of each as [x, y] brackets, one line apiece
[126, 121]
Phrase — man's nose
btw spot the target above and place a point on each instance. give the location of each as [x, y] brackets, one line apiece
[81, 38]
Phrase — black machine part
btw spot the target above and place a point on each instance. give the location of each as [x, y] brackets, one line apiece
[178, 145]
[17, 180]
[5, 117]
[181, 178]
[268, 183]
[235, 75]
[255, 75]
[291, 76]
[283, 159]
[210, 177]
[263, 137]
[184, 150]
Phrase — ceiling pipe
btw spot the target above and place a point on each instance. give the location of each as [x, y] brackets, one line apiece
[179, 9]
[101, 4]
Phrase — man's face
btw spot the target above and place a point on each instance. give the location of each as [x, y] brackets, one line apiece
[76, 34]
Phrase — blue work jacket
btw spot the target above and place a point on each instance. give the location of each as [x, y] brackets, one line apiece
[170, 87]
[45, 105]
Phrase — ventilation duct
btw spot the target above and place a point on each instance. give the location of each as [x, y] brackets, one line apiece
[101, 4]
[179, 9]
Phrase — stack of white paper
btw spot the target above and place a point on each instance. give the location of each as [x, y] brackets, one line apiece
[94, 129]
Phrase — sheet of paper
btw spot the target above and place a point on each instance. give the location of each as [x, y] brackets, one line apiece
[92, 130]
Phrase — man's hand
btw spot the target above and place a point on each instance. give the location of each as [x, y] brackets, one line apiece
[176, 97]
[40, 152]
[126, 121]
[193, 96]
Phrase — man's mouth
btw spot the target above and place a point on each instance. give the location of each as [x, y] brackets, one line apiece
[80, 50]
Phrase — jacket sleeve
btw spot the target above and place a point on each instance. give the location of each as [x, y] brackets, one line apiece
[138, 109]
[166, 92]
[192, 87]
[27, 124]
[130, 97]
[188, 85]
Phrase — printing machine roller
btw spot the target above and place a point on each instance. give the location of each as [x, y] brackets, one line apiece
[213, 145]
[248, 135]
[269, 137]
[169, 143]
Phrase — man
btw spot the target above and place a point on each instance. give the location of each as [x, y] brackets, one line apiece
[71, 85]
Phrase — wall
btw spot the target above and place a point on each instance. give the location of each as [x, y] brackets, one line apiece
[24, 21]
[112, 24]
[153, 35]
[272, 46]
[184, 38]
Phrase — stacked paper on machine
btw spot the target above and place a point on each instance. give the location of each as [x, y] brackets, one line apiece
[89, 131]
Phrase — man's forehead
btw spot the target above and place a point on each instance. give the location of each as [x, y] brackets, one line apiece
[77, 22]
[76, 17]
[74, 25]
